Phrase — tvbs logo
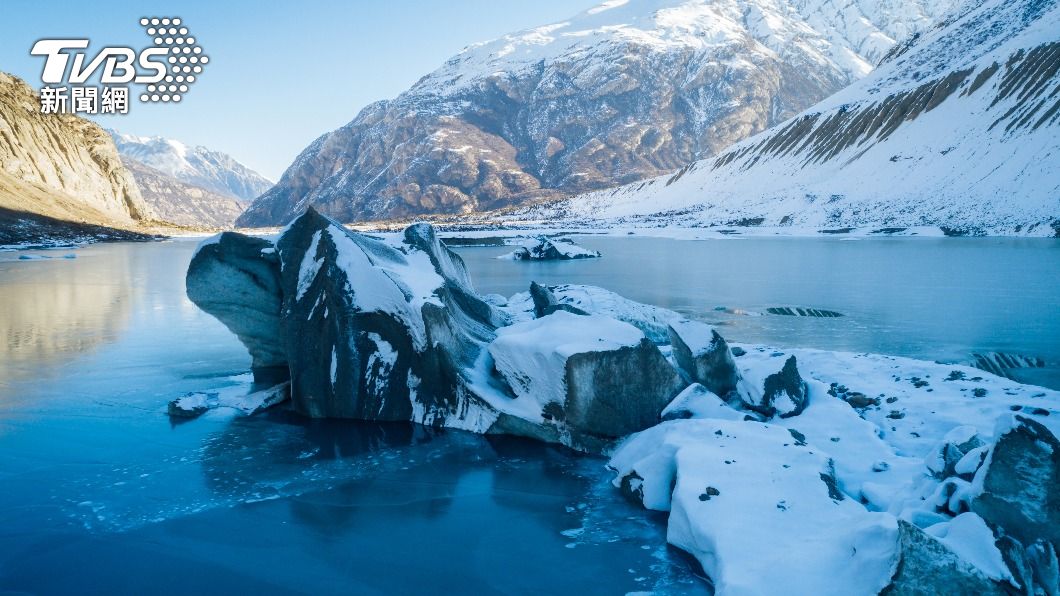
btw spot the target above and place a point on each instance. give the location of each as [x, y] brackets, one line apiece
[166, 70]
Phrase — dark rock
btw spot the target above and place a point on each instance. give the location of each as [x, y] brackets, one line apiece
[333, 340]
[832, 483]
[632, 487]
[546, 303]
[361, 341]
[1035, 568]
[785, 393]
[613, 394]
[926, 567]
[860, 401]
[704, 356]
[1002, 363]
[237, 280]
[608, 391]
[708, 493]
[798, 311]
[1021, 489]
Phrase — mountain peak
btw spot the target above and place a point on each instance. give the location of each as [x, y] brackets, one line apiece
[196, 165]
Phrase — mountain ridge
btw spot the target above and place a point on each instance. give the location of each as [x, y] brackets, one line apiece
[956, 129]
[621, 92]
[60, 173]
[196, 165]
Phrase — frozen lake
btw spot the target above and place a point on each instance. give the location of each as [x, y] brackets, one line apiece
[99, 485]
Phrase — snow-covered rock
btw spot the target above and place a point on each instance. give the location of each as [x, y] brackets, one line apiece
[546, 249]
[957, 129]
[1019, 484]
[760, 510]
[696, 401]
[704, 356]
[928, 566]
[546, 303]
[593, 372]
[198, 166]
[618, 93]
[652, 320]
[392, 329]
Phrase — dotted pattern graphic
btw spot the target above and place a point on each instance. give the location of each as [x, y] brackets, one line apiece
[186, 59]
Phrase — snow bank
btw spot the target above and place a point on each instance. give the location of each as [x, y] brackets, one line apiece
[758, 509]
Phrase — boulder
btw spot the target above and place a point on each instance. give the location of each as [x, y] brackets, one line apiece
[926, 566]
[236, 278]
[784, 393]
[546, 303]
[555, 249]
[652, 320]
[696, 401]
[378, 330]
[704, 357]
[593, 374]
[943, 460]
[1021, 482]
[1035, 568]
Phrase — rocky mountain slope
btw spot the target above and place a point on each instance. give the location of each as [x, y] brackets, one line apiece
[198, 166]
[181, 203]
[618, 93]
[958, 128]
[58, 172]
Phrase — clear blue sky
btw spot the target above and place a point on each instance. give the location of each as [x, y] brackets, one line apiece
[280, 73]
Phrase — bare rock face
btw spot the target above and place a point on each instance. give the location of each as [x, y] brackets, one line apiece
[61, 166]
[1021, 488]
[927, 567]
[236, 278]
[376, 330]
[181, 203]
[614, 95]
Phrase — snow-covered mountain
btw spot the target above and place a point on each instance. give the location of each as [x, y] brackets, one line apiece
[623, 91]
[59, 174]
[958, 128]
[213, 170]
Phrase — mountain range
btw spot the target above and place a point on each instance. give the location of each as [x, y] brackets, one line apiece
[196, 165]
[189, 185]
[619, 93]
[958, 128]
